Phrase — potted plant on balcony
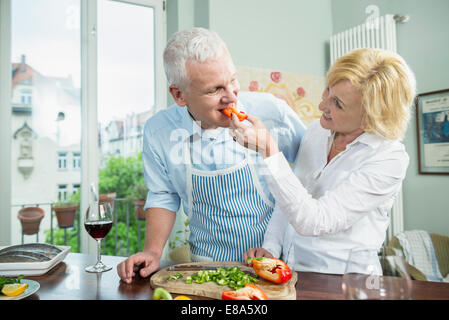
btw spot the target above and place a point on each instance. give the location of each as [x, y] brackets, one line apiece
[138, 196]
[179, 246]
[65, 213]
[30, 218]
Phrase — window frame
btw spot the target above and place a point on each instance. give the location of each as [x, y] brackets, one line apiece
[5, 123]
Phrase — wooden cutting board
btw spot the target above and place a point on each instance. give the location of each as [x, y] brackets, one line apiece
[285, 291]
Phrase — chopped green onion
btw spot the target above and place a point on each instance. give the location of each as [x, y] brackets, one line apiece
[175, 277]
[232, 277]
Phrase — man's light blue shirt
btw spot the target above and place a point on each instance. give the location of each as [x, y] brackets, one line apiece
[167, 131]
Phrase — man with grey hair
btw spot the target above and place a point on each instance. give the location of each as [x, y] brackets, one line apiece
[189, 156]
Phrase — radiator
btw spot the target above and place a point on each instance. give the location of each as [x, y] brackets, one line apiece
[377, 33]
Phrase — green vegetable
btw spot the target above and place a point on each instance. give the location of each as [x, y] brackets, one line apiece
[4, 280]
[232, 277]
[249, 261]
[161, 294]
[175, 277]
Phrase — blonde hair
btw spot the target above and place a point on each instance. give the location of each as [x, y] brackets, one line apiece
[387, 86]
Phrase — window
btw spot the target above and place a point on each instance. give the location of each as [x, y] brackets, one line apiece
[26, 97]
[62, 192]
[75, 188]
[76, 161]
[47, 67]
[126, 82]
[62, 160]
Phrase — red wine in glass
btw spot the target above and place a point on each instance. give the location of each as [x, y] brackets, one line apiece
[98, 229]
[98, 223]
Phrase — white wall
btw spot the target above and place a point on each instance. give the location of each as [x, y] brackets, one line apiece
[286, 35]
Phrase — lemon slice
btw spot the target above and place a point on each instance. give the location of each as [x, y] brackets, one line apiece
[182, 298]
[15, 289]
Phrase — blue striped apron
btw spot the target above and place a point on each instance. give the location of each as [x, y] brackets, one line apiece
[228, 211]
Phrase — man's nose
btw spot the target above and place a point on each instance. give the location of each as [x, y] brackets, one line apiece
[231, 93]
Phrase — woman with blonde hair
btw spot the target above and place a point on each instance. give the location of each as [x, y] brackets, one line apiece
[350, 167]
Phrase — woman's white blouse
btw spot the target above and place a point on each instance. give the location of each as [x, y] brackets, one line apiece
[323, 211]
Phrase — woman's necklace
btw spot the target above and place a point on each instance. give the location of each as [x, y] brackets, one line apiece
[337, 151]
[331, 154]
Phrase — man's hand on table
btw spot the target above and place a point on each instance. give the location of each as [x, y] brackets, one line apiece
[147, 262]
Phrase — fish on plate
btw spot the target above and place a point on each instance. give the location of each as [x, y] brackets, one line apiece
[30, 252]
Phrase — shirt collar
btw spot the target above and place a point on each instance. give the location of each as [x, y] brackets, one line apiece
[370, 139]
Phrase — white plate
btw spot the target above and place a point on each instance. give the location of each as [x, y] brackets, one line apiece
[33, 286]
[14, 269]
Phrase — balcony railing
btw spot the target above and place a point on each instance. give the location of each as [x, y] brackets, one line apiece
[122, 210]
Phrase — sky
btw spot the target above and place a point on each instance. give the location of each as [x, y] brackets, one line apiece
[48, 33]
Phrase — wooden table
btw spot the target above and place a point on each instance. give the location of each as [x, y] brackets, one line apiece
[69, 281]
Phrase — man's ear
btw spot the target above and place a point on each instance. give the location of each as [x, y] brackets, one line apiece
[178, 95]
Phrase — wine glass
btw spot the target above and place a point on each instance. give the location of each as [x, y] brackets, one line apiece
[98, 223]
[372, 275]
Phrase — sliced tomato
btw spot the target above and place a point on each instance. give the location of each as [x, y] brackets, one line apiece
[230, 110]
[249, 292]
[271, 269]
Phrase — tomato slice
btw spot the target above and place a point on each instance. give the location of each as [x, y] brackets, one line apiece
[249, 292]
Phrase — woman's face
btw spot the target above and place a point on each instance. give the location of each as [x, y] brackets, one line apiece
[342, 109]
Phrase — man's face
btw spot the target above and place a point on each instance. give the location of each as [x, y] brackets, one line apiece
[213, 87]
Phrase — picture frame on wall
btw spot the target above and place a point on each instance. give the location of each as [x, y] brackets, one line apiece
[432, 120]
